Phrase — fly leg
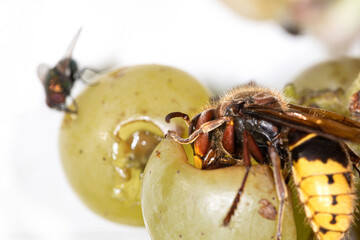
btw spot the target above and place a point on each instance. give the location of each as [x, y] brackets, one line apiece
[72, 110]
[281, 189]
[205, 128]
[75, 109]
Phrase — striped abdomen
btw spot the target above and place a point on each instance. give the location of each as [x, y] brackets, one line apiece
[323, 176]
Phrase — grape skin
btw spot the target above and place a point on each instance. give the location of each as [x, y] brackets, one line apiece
[182, 202]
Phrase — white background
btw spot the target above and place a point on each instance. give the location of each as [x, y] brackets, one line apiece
[202, 37]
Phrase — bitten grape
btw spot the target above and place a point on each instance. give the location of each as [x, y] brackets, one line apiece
[105, 146]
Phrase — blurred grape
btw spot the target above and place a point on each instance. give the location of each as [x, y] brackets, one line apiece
[259, 9]
[335, 23]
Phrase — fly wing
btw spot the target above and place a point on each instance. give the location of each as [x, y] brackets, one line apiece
[63, 66]
[323, 125]
[42, 71]
[72, 45]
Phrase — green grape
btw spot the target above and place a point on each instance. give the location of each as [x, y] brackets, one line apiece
[105, 147]
[182, 202]
[327, 85]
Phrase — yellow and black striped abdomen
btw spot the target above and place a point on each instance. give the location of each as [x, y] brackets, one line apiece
[323, 176]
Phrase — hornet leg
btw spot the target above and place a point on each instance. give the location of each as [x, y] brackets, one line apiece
[247, 163]
[281, 189]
